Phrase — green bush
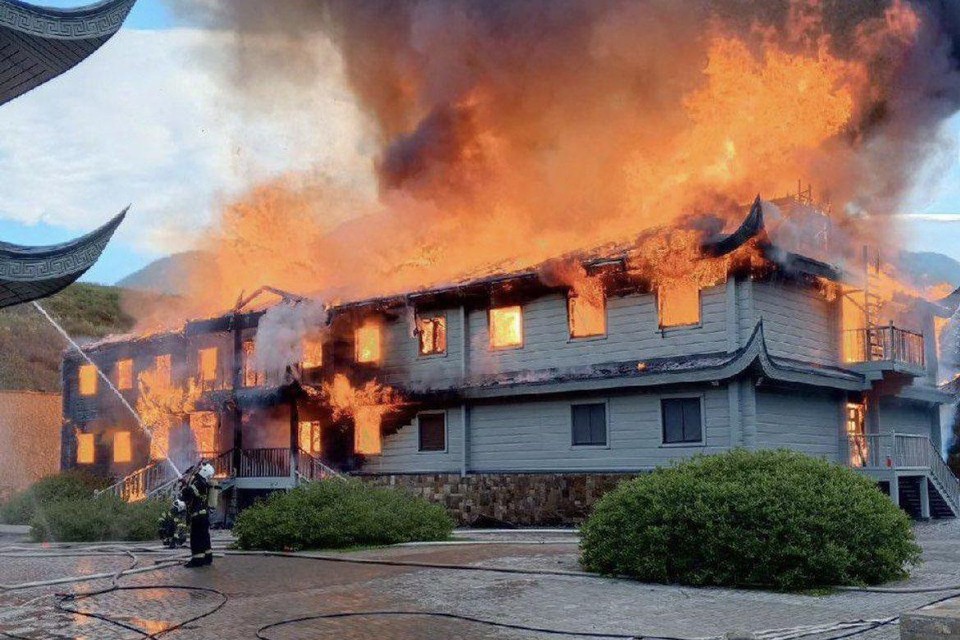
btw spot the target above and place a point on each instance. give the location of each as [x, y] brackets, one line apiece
[99, 519]
[755, 519]
[66, 486]
[334, 514]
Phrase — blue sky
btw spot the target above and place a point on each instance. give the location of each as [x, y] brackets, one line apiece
[142, 123]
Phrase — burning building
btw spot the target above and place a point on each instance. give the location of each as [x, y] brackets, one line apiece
[523, 395]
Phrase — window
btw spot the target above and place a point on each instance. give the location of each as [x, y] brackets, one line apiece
[367, 343]
[203, 428]
[207, 359]
[312, 354]
[587, 317]
[311, 437]
[678, 305]
[367, 439]
[682, 420]
[432, 431]
[122, 448]
[251, 376]
[589, 424]
[432, 334]
[163, 369]
[506, 327]
[124, 375]
[85, 448]
[88, 380]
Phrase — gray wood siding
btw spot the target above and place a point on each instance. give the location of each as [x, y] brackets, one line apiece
[536, 435]
[402, 363]
[907, 417]
[401, 455]
[632, 332]
[802, 421]
[797, 321]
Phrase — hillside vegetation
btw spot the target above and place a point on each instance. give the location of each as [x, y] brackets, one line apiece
[31, 349]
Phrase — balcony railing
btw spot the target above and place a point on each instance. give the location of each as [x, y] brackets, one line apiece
[884, 344]
[264, 463]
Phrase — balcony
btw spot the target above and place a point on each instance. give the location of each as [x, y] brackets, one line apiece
[886, 348]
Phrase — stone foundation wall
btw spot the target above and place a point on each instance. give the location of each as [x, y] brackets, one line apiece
[526, 499]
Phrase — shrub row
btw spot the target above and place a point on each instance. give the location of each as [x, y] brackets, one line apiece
[337, 513]
[64, 487]
[99, 519]
[756, 519]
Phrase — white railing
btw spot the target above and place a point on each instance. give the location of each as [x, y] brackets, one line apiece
[907, 452]
[312, 468]
[142, 483]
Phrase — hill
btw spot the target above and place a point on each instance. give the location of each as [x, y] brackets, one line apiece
[31, 349]
[166, 276]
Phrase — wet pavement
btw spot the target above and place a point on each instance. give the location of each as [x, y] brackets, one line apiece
[246, 592]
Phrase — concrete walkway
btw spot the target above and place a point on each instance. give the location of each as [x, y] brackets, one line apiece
[260, 589]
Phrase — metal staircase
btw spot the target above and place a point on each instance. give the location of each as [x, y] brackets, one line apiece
[154, 480]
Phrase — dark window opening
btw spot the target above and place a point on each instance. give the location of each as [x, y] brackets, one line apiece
[682, 422]
[433, 431]
[589, 424]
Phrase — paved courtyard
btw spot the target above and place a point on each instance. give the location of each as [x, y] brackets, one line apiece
[529, 579]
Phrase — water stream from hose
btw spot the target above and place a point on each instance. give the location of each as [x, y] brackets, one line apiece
[106, 379]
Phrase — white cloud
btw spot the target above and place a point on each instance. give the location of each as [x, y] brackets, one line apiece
[144, 121]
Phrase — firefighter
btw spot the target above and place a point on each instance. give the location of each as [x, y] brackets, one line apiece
[196, 494]
[172, 527]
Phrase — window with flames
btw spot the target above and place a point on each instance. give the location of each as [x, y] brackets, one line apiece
[124, 375]
[208, 365]
[86, 450]
[311, 437]
[122, 447]
[88, 380]
[252, 377]
[367, 343]
[203, 429]
[587, 316]
[163, 371]
[678, 305]
[506, 327]
[312, 354]
[432, 335]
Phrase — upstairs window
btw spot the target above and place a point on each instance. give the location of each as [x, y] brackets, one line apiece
[506, 327]
[207, 360]
[88, 380]
[432, 431]
[678, 305]
[682, 421]
[587, 317]
[85, 448]
[367, 343]
[122, 447]
[251, 376]
[312, 354]
[589, 424]
[432, 335]
[124, 375]
[163, 371]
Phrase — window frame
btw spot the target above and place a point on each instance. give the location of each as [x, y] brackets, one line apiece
[446, 432]
[702, 442]
[523, 332]
[216, 362]
[673, 327]
[598, 336]
[606, 424]
[133, 374]
[129, 436]
[356, 343]
[442, 315]
[93, 448]
[96, 380]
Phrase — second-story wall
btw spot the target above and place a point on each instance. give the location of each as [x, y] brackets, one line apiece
[798, 321]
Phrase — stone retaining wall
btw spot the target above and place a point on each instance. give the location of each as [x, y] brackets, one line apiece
[545, 499]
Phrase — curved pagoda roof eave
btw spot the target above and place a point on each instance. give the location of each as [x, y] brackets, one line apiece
[32, 273]
[37, 43]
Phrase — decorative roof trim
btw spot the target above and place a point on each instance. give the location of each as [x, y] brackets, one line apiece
[99, 20]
